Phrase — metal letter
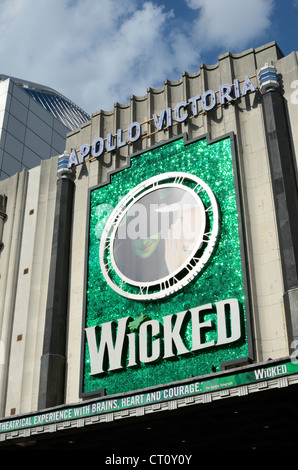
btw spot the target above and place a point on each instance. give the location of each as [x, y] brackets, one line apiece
[224, 93]
[120, 141]
[236, 88]
[194, 104]
[145, 355]
[159, 121]
[222, 327]
[110, 145]
[98, 147]
[73, 159]
[197, 326]
[169, 117]
[247, 86]
[84, 151]
[172, 335]
[177, 116]
[131, 350]
[106, 342]
[212, 100]
[134, 131]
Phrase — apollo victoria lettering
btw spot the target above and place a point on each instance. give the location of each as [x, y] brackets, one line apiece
[182, 111]
[154, 340]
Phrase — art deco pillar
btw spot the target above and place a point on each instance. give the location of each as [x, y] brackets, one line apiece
[52, 372]
[3, 202]
[284, 192]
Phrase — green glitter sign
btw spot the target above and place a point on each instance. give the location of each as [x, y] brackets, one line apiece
[148, 326]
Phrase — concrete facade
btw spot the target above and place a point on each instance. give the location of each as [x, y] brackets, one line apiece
[31, 194]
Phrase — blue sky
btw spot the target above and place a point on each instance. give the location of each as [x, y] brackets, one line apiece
[98, 52]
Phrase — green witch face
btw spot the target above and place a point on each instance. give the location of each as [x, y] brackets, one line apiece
[153, 237]
[145, 247]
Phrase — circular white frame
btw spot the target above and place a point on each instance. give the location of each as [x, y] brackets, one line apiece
[124, 212]
[169, 284]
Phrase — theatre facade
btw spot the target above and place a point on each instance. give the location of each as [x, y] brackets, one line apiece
[149, 274]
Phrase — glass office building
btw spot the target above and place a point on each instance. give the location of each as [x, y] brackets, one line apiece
[34, 122]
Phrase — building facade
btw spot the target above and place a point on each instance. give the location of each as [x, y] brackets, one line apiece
[35, 120]
[93, 353]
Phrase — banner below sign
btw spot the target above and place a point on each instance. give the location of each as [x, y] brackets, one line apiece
[147, 397]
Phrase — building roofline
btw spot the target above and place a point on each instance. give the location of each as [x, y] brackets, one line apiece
[39, 87]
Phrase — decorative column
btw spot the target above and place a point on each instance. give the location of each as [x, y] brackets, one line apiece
[284, 191]
[3, 216]
[53, 360]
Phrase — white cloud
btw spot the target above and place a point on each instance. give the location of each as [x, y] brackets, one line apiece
[99, 52]
[230, 24]
[94, 52]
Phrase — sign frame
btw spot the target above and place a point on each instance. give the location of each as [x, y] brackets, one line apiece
[242, 248]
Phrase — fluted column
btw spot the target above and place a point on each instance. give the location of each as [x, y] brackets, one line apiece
[53, 360]
[285, 193]
[3, 202]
